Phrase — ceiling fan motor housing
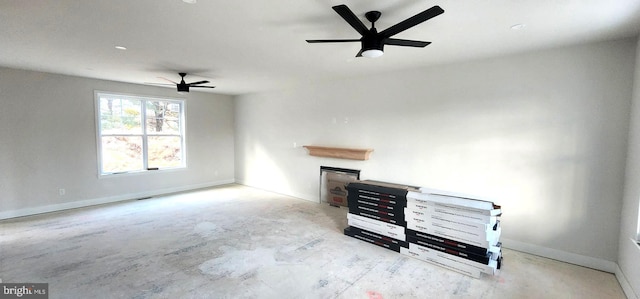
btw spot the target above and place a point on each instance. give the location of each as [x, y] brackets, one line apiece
[182, 87]
[372, 42]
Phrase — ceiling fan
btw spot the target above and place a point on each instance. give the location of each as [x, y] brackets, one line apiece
[374, 41]
[183, 87]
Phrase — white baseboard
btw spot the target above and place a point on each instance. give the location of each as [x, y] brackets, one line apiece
[104, 200]
[563, 256]
[624, 283]
[622, 279]
[576, 259]
[307, 197]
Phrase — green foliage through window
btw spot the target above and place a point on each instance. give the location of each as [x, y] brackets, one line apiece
[138, 133]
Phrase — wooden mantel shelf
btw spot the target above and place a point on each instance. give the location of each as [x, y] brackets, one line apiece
[341, 153]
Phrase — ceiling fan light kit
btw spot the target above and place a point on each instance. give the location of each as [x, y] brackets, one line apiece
[373, 53]
[371, 47]
[373, 41]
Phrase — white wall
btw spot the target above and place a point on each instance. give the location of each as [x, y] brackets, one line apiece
[629, 254]
[48, 141]
[542, 133]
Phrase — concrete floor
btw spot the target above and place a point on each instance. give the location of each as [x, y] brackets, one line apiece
[239, 242]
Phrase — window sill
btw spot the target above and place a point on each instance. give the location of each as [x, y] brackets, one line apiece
[140, 172]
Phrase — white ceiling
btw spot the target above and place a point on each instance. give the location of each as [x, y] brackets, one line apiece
[250, 46]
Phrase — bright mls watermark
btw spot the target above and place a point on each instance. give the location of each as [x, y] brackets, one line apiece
[24, 290]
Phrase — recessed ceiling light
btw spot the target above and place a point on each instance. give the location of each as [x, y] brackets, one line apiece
[189, 1]
[121, 48]
[518, 26]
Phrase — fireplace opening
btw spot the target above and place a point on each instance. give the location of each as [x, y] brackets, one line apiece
[333, 182]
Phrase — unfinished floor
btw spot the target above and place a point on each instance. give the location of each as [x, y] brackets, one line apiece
[238, 242]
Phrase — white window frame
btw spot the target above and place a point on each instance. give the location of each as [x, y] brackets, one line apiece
[144, 134]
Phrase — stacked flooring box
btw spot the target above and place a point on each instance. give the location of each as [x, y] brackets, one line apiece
[376, 213]
[451, 230]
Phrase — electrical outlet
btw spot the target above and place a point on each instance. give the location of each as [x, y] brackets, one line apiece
[62, 191]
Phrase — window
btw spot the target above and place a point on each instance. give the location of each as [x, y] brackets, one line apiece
[137, 133]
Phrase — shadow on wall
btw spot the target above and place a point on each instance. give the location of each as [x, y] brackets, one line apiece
[262, 171]
[541, 165]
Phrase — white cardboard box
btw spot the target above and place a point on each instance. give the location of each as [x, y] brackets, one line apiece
[475, 205]
[454, 223]
[460, 262]
[491, 238]
[450, 211]
[445, 263]
[379, 227]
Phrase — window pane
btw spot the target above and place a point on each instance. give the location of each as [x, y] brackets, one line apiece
[137, 132]
[163, 117]
[120, 116]
[121, 153]
[165, 151]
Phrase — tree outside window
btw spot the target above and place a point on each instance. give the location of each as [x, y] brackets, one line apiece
[139, 133]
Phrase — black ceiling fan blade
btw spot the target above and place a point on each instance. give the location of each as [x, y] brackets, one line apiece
[412, 21]
[351, 18]
[159, 84]
[406, 42]
[199, 82]
[163, 78]
[315, 41]
[203, 86]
